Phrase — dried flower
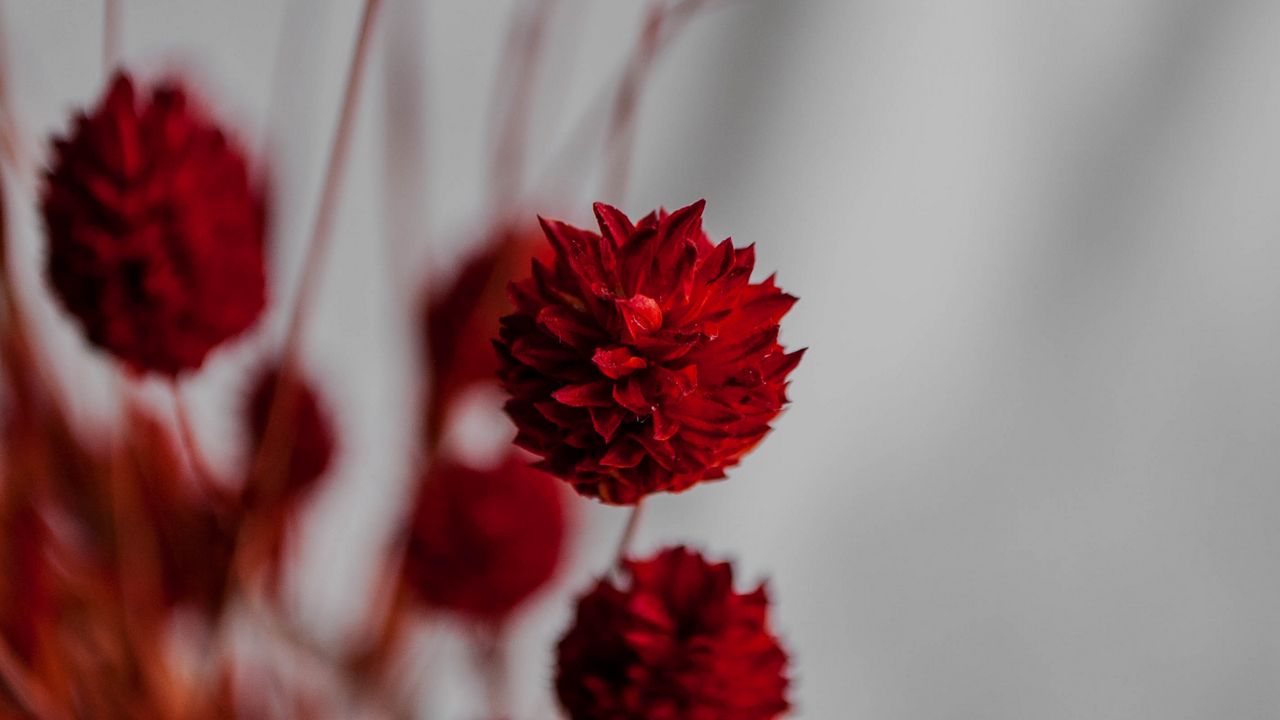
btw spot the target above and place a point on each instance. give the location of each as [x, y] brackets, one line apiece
[155, 230]
[310, 439]
[643, 359]
[461, 318]
[673, 642]
[483, 541]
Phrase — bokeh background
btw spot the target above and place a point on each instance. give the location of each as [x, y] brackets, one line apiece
[1030, 470]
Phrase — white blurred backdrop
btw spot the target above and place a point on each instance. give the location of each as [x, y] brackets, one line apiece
[1030, 469]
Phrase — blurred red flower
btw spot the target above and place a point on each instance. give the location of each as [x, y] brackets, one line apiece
[461, 318]
[155, 230]
[673, 642]
[309, 439]
[643, 359]
[483, 541]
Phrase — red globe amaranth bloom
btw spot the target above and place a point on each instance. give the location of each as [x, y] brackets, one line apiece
[482, 541]
[155, 230]
[643, 359]
[460, 319]
[673, 642]
[309, 437]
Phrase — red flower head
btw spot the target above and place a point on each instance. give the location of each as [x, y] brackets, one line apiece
[643, 359]
[155, 230]
[675, 642]
[310, 439]
[461, 317]
[483, 541]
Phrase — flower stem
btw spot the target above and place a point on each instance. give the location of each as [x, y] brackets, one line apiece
[525, 44]
[662, 21]
[110, 35]
[269, 464]
[662, 26]
[628, 534]
[187, 435]
[13, 149]
[30, 378]
[317, 250]
[283, 398]
[621, 137]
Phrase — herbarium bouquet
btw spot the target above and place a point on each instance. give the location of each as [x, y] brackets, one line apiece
[639, 356]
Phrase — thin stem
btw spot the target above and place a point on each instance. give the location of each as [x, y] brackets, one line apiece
[12, 146]
[269, 464]
[525, 44]
[283, 398]
[317, 250]
[624, 94]
[404, 150]
[622, 131]
[138, 563]
[21, 335]
[621, 136]
[110, 35]
[291, 24]
[187, 436]
[628, 534]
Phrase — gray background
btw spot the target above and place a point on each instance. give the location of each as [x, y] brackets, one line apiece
[1030, 469]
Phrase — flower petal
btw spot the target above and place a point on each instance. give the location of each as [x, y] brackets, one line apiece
[606, 421]
[614, 225]
[596, 394]
[570, 327]
[617, 362]
[631, 396]
[625, 453]
[641, 314]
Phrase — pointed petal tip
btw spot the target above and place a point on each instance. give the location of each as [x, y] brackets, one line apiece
[614, 224]
[603, 208]
[693, 210]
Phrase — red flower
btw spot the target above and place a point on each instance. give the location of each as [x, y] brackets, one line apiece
[483, 541]
[155, 230]
[310, 440]
[674, 642]
[643, 359]
[461, 318]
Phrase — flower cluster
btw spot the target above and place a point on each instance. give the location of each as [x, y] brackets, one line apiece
[637, 359]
